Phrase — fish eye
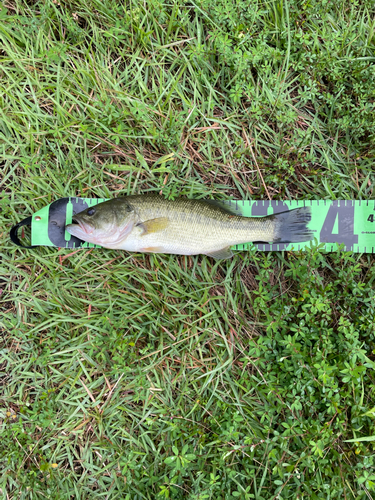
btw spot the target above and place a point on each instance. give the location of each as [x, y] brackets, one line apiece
[91, 211]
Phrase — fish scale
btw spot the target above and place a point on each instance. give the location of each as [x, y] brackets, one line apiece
[199, 221]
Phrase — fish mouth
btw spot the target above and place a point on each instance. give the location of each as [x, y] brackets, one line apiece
[86, 228]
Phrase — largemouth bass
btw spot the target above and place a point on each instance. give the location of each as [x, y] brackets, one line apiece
[150, 223]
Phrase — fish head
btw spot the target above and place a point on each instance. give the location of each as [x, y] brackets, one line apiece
[105, 224]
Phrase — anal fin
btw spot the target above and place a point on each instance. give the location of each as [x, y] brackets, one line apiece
[223, 253]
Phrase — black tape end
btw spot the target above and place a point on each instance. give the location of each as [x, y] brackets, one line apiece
[13, 234]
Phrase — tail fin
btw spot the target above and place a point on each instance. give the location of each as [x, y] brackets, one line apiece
[291, 226]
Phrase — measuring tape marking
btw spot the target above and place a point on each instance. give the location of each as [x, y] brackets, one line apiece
[348, 222]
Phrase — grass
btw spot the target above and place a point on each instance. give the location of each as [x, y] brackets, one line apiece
[137, 376]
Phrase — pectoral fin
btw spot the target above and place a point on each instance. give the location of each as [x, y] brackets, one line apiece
[153, 225]
[223, 253]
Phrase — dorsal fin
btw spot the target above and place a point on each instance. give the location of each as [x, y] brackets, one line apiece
[231, 207]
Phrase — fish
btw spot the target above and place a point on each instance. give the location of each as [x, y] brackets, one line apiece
[152, 224]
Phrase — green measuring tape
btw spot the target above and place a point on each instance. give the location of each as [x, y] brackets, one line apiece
[333, 223]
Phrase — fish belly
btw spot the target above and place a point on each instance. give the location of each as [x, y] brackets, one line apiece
[193, 240]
